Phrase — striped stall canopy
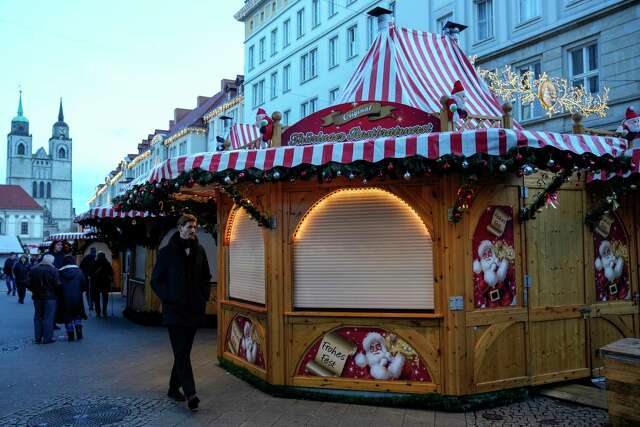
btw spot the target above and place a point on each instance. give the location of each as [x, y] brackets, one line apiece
[242, 134]
[417, 68]
[110, 212]
[634, 153]
[70, 236]
[431, 146]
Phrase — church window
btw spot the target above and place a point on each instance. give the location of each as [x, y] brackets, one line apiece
[20, 150]
[41, 189]
[1, 227]
[48, 189]
[35, 189]
[24, 227]
[62, 153]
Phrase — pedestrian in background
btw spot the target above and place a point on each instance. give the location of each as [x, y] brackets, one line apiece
[7, 269]
[57, 249]
[21, 274]
[101, 279]
[86, 265]
[73, 283]
[181, 280]
[44, 283]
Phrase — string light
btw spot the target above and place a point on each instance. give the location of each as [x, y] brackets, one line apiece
[184, 132]
[556, 95]
[138, 159]
[221, 109]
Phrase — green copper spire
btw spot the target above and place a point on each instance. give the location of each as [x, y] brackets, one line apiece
[20, 105]
[20, 117]
[60, 113]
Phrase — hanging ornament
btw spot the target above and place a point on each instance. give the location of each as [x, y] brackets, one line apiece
[518, 157]
[276, 175]
[633, 186]
[527, 170]
[176, 186]
[503, 168]
[407, 175]
[241, 175]
[446, 166]
[351, 175]
[390, 167]
[257, 181]
[338, 172]
[551, 163]
[465, 164]
[227, 180]
[133, 222]
[364, 181]
[575, 168]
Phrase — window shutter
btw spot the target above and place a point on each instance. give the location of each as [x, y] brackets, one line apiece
[363, 249]
[246, 259]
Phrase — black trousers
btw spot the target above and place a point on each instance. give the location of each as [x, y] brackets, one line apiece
[22, 291]
[182, 374]
[95, 296]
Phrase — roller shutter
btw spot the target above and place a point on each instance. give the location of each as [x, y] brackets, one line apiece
[246, 259]
[363, 249]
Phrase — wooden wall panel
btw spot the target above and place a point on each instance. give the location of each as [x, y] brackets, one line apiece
[499, 354]
[558, 347]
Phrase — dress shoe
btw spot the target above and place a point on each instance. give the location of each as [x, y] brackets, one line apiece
[193, 403]
[176, 395]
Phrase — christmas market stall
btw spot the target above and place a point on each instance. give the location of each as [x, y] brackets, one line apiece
[412, 239]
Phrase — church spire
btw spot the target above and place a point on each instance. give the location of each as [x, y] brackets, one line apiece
[60, 113]
[20, 112]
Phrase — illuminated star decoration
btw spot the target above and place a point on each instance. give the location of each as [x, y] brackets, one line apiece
[556, 95]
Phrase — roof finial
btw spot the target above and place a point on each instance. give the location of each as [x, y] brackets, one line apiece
[60, 113]
[20, 105]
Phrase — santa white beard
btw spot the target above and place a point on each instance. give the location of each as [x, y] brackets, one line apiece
[612, 267]
[493, 271]
[250, 349]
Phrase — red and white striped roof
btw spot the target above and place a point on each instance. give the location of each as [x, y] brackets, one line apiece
[431, 146]
[243, 134]
[69, 236]
[110, 212]
[634, 153]
[417, 68]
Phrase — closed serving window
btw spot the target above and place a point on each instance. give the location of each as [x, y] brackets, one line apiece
[363, 249]
[246, 259]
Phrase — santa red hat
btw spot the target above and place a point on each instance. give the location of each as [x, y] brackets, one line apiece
[370, 338]
[605, 247]
[457, 88]
[630, 113]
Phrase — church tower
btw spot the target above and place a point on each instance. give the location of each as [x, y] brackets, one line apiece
[60, 151]
[19, 143]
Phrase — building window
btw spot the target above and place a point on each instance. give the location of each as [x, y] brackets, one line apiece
[62, 153]
[332, 8]
[308, 107]
[528, 9]
[20, 149]
[181, 150]
[371, 29]
[583, 67]
[274, 85]
[24, 227]
[251, 59]
[286, 33]
[443, 20]
[262, 16]
[286, 116]
[48, 190]
[286, 78]
[534, 109]
[274, 41]
[304, 109]
[333, 52]
[352, 41]
[484, 19]
[315, 13]
[251, 25]
[333, 95]
[261, 50]
[41, 189]
[34, 193]
[309, 65]
[258, 93]
[1, 223]
[273, 6]
[300, 23]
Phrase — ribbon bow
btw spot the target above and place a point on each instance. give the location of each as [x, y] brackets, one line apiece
[552, 200]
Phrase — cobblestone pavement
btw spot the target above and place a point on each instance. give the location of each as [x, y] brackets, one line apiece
[118, 376]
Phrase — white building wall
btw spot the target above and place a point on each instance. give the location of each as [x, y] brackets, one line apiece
[411, 13]
[12, 224]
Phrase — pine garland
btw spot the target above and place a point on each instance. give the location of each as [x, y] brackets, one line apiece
[610, 197]
[540, 199]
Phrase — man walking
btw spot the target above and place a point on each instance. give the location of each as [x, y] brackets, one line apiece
[8, 272]
[44, 284]
[181, 280]
[86, 265]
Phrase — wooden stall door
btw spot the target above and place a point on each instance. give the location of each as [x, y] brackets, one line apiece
[555, 244]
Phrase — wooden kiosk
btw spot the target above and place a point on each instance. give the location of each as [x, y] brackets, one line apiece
[379, 246]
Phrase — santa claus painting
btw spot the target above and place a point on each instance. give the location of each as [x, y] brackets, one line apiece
[248, 345]
[382, 364]
[243, 341]
[611, 274]
[493, 264]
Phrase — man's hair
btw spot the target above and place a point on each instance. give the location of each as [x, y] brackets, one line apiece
[186, 218]
[48, 259]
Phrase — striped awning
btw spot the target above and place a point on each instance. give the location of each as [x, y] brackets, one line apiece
[417, 68]
[495, 142]
[110, 212]
[70, 236]
[242, 134]
[634, 154]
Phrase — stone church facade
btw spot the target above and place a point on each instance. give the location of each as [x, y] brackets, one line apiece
[45, 175]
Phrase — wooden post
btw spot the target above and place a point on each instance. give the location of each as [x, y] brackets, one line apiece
[276, 138]
[445, 125]
[578, 127]
[507, 119]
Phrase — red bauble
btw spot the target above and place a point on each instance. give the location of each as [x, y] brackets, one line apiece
[518, 157]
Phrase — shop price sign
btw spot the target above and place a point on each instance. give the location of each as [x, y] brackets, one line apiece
[360, 121]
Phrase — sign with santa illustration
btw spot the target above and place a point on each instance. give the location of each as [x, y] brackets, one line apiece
[363, 353]
[611, 260]
[494, 278]
[245, 341]
[357, 121]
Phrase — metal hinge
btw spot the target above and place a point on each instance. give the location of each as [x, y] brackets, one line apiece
[524, 192]
[585, 310]
[527, 281]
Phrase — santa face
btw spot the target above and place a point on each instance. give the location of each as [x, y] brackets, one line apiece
[460, 99]
[376, 353]
[633, 125]
[489, 264]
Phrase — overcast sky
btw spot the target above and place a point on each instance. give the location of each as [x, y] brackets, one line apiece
[121, 67]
